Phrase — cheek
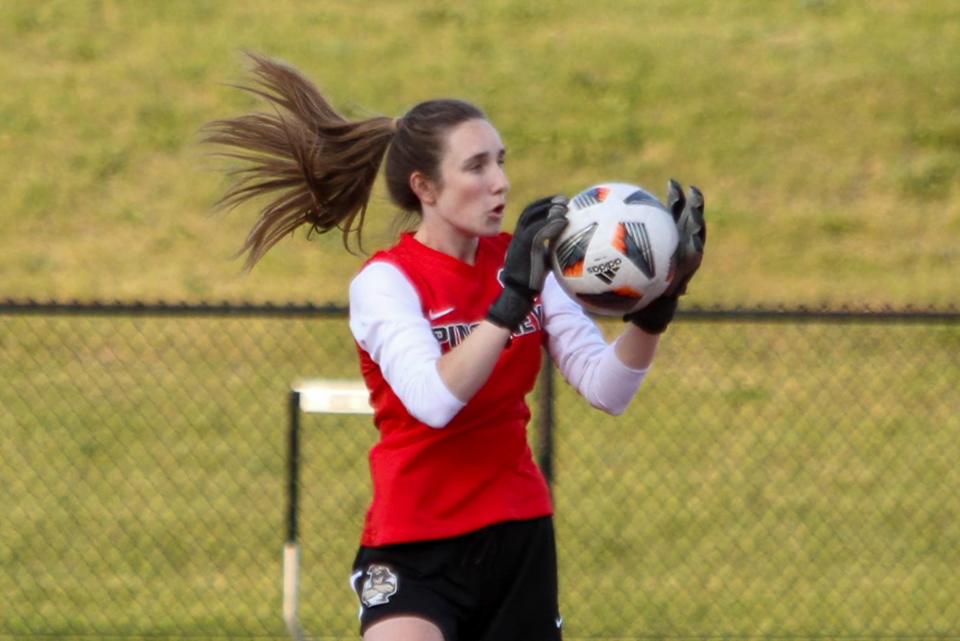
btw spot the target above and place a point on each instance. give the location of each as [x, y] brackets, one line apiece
[464, 188]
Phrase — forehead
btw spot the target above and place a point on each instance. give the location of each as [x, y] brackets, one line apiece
[470, 138]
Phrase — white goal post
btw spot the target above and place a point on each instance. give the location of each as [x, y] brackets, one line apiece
[309, 396]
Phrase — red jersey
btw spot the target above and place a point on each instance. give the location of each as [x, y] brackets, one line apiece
[431, 483]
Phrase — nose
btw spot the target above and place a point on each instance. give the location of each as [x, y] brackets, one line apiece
[501, 184]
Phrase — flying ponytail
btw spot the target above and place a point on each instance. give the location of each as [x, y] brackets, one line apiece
[318, 166]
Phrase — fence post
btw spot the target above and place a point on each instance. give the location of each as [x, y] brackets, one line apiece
[291, 548]
[545, 401]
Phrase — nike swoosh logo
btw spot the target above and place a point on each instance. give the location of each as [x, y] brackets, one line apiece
[442, 312]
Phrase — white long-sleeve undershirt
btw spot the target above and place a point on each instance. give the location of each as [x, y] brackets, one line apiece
[387, 321]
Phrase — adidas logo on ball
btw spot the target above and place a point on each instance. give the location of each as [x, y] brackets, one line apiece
[605, 271]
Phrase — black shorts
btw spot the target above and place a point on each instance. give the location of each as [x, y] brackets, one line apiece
[495, 584]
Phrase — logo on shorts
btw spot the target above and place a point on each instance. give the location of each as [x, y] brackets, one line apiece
[379, 586]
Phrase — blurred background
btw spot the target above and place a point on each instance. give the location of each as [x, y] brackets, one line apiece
[824, 133]
[784, 475]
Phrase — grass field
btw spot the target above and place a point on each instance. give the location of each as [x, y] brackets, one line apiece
[825, 133]
[773, 481]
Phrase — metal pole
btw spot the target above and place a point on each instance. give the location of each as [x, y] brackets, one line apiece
[291, 550]
[293, 464]
[545, 421]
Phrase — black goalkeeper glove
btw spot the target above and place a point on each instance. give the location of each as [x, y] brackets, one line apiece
[692, 230]
[525, 266]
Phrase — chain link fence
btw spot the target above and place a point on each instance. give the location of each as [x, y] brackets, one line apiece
[780, 475]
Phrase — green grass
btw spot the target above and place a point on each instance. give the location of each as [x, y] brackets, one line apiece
[824, 133]
[771, 480]
[761, 489]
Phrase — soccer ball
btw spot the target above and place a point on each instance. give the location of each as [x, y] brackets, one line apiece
[617, 253]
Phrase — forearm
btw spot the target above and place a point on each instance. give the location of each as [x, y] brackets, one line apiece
[636, 348]
[466, 367]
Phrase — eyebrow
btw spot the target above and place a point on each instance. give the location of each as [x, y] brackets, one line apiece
[483, 154]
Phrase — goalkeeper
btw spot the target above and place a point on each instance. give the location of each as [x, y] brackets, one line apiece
[458, 541]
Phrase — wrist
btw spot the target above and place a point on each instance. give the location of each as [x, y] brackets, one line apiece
[654, 318]
[510, 308]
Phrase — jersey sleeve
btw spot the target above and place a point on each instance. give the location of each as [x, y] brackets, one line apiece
[387, 322]
[582, 354]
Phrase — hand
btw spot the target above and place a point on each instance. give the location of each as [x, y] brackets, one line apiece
[692, 229]
[654, 318]
[525, 266]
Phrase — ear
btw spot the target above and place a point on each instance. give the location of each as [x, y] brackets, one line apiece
[423, 187]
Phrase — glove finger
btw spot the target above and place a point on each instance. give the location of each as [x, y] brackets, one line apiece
[689, 253]
[696, 245]
[535, 210]
[551, 229]
[696, 199]
[675, 199]
[697, 206]
[691, 225]
[691, 221]
[555, 224]
[692, 262]
[538, 270]
[539, 203]
[539, 250]
[558, 209]
[688, 262]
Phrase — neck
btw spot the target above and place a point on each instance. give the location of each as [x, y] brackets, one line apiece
[449, 241]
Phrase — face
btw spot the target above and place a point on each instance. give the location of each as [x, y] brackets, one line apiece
[470, 197]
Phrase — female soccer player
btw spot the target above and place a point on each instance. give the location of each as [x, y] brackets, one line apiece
[458, 541]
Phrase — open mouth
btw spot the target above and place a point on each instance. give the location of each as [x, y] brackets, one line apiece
[498, 210]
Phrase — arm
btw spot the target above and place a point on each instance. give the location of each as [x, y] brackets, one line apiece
[466, 367]
[387, 321]
[636, 348]
[606, 375]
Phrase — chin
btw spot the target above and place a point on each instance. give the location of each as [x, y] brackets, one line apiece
[491, 229]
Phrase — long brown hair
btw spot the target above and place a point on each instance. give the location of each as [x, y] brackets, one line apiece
[320, 167]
